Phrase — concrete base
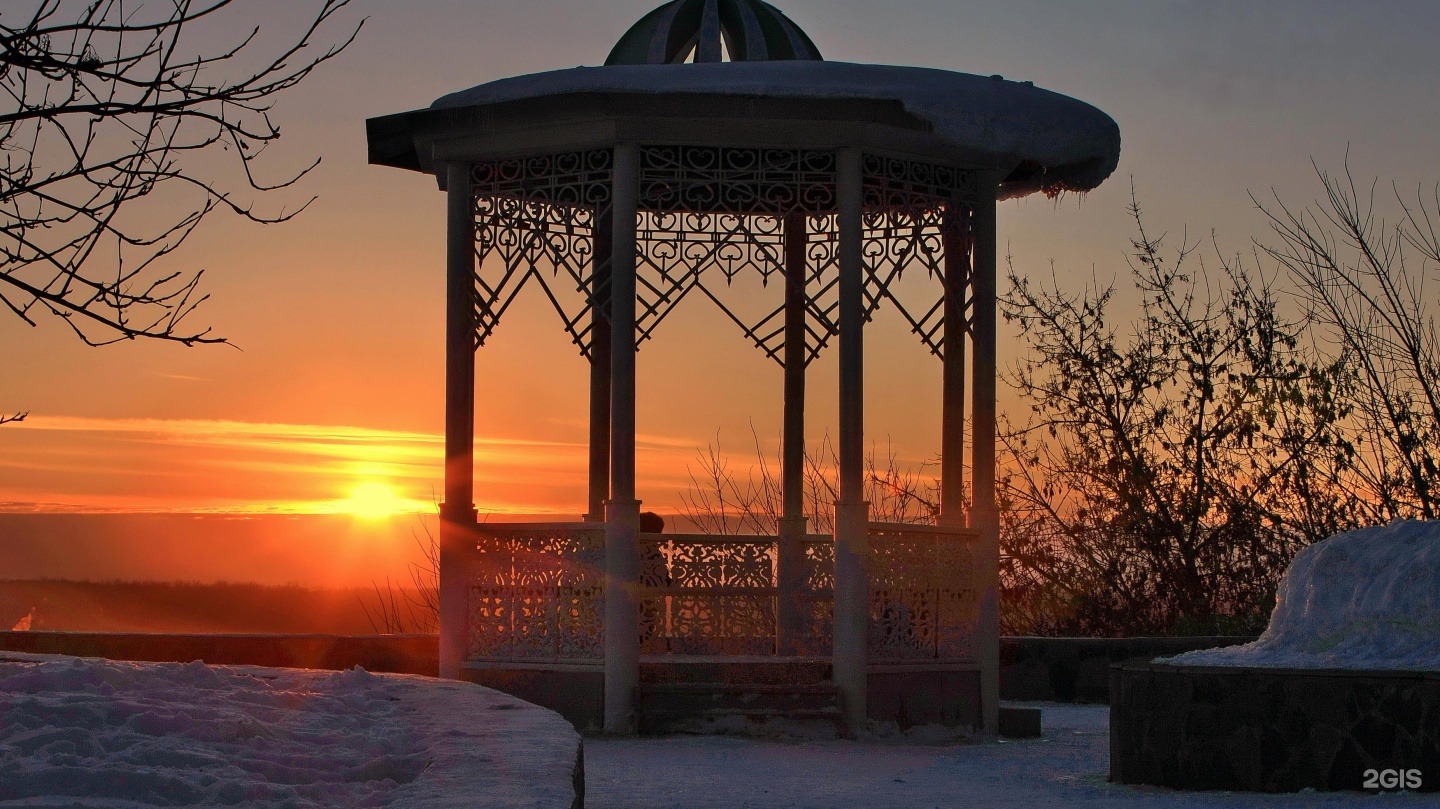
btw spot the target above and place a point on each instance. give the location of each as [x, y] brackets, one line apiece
[912, 695]
[1273, 730]
[575, 692]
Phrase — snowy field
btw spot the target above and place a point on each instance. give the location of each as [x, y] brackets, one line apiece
[1365, 599]
[1067, 768]
[109, 735]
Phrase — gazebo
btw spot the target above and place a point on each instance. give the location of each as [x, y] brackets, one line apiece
[716, 142]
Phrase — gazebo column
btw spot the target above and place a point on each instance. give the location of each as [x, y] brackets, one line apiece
[622, 513]
[852, 535]
[600, 367]
[790, 556]
[457, 512]
[952, 409]
[986, 514]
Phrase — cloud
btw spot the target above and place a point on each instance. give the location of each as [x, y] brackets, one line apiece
[78, 464]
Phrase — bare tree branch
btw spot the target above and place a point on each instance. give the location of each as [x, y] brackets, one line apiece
[109, 130]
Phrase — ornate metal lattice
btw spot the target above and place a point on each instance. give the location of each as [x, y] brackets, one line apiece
[535, 219]
[924, 602]
[722, 214]
[916, 214]
[817, 597]
[707, 595]
[536, 593]
[709, 211]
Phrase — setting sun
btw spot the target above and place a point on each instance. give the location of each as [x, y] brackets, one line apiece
[373, 500]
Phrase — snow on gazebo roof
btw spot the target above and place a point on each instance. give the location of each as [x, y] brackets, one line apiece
[1043, 140]
[1072, 145]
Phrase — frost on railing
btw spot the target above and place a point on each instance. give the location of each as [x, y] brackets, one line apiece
[537, 592]
[924, 602]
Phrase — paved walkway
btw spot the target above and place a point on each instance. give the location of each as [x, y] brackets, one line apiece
[1066, 768]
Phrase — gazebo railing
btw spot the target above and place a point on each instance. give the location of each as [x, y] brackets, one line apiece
[924, 593]
[537, 593]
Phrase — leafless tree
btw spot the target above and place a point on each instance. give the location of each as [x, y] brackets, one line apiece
[114, 137]
[1364, 279]
[399, 610]
[1168, 472]
[718, 501]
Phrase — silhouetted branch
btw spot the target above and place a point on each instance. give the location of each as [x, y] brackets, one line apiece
[103, 119]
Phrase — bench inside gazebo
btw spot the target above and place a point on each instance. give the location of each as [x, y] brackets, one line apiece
[620, 191]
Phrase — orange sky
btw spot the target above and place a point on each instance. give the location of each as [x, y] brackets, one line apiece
[338, 315]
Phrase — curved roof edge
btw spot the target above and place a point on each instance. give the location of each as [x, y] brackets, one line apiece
[1059, 143]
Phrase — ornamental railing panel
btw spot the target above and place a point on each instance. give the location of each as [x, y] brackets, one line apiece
[924, 598]
[719, 595]
[817, 597]
[537, 592]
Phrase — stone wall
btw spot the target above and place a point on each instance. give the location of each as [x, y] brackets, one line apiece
[399, 654]
[1078, 669]
[1272, 730]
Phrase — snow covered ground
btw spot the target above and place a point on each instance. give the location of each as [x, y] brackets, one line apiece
[1366, 599]
[111, 735]
[1067, 768]
[78, 732]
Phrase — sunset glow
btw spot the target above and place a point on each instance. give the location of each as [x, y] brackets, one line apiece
[374, 500]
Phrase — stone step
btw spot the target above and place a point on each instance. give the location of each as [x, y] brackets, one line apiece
[825, 722]
[717, 669]
[808, 709]
[693, 697]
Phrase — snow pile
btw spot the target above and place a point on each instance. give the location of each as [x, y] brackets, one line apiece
[1366, 599]
[1077, 144]
[113, 735]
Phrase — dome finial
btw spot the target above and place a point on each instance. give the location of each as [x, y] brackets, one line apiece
[751, 30]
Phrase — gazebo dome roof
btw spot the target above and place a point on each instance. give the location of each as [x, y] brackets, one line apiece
[751, 30]
[1056, 143]
[776, 91]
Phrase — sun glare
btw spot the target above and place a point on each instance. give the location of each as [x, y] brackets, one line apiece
[374, 500]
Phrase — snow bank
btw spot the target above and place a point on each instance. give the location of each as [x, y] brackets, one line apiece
[1077, 144]
[113, 735]
[1366, 599]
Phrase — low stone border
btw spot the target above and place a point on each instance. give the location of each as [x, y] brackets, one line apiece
[1274, 730]
[398, 654]
[1078, 669]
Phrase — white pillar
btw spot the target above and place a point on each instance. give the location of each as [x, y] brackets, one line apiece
[622, 517]
[986, 515]
[852, 538]
[457, 512]
[599, 483]
[952, 410]
[790, 548]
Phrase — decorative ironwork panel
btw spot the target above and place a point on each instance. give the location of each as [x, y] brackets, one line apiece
[924, 604]
[707, 595]
[817, 597]
[534, 215]
[705, 179]
[707, 210]
[914, 214]
[536, 593]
